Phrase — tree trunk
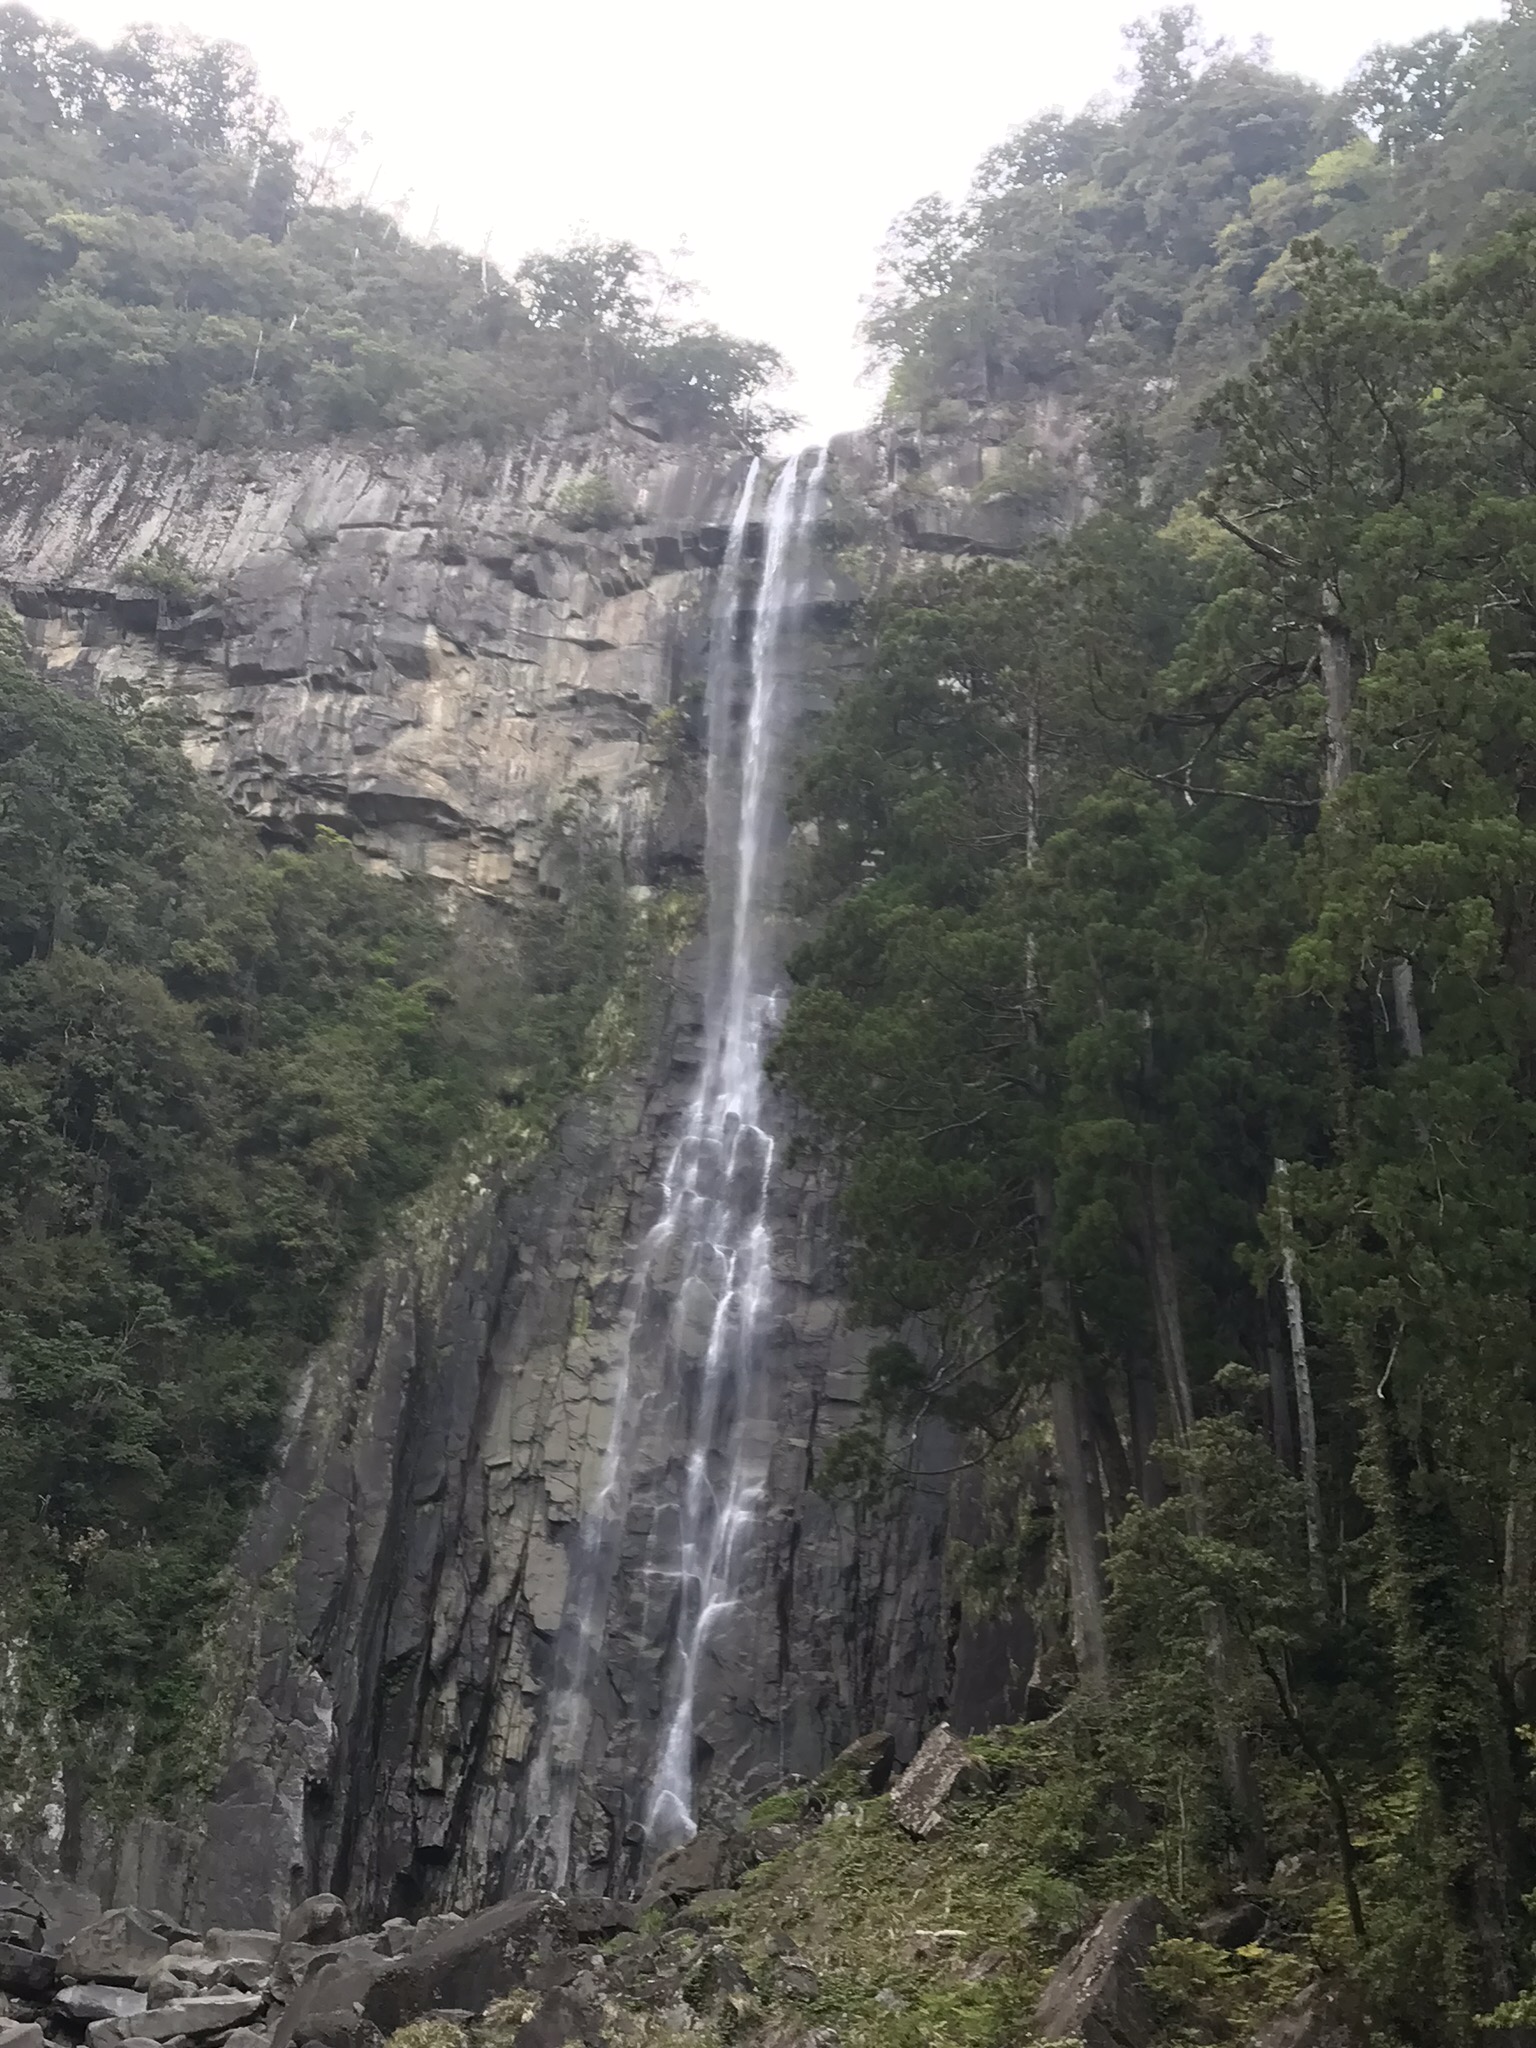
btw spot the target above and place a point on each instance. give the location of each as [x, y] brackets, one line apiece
[1306, 1415]
[1167, 1318]
[1336, 660]
[1141, 1393]
[1519, 1578]
[1082, 1522]
[1082, 1503]
[1162, 1283]
[1282, 1415]
[1407, 1009]
[1113, 1463]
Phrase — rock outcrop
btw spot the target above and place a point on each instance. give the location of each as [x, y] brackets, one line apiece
[411, 649]
[1099, 1996]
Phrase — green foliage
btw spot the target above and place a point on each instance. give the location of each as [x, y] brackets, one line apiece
[169, 261]
[778, 1808]
[590, 502]
[162, 570]
[219, 1075]
[1133, 258]
[1179, 848]
[1204, 1993]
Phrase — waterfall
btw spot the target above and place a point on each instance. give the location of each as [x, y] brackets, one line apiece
[707, 1262]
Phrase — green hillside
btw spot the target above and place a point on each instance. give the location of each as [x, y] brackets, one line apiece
[169, 259]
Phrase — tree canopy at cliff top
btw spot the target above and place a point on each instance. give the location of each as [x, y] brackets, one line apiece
[1130, 258]
[170, 260]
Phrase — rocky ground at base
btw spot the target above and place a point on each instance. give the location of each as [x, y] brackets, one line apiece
[812, 1926]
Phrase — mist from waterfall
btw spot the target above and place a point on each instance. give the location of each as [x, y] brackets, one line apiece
[708, 1259]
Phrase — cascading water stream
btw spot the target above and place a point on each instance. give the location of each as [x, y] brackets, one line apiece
[725, 1204]
[712, 1234]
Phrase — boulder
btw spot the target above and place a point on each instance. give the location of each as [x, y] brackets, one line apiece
[85, 2002]
[173, 1930]
[183, 1974]
[1234, 1926]
[1098, 1993]
[27, 1973]
[434, 1925]
[16, 2034]
[1321, 2016]
[240, 1945]
[861, 1771]
[116, 1949]
[243, 1975]
[523, 1942]
[21, 1918]
[63, 1909]
[317, 1921]
[919, 1794]
[165, 1986]
[248, 2037]
[342, 2030]
[295, 1962]
[215, 2012]
[562, 2019]
[697, 1866]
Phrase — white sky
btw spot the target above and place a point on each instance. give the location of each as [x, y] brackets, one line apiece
[774, 143]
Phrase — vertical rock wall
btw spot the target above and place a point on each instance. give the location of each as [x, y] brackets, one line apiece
[418, 651]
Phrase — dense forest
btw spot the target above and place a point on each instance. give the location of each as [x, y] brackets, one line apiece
[1172, 1007]
[170, 259]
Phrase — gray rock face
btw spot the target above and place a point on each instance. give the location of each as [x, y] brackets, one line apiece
[415, 651]
[1098, 1994]
[25, 1973]
[918, 1796]
[20, 2034]
[412, 650]
[701, 1865]
[213, 2012]
[241, 1945]
[85, 2002]
[119, 1947]
[319, 1919]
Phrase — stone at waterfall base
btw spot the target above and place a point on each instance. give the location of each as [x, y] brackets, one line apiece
[25, 1973]
[83, 2003]
[317, 1921]
[119, 1948]
[214, 2014]
[467, 1967]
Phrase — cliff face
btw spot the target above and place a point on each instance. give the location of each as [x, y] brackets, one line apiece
[422, 652]
[414, 650]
